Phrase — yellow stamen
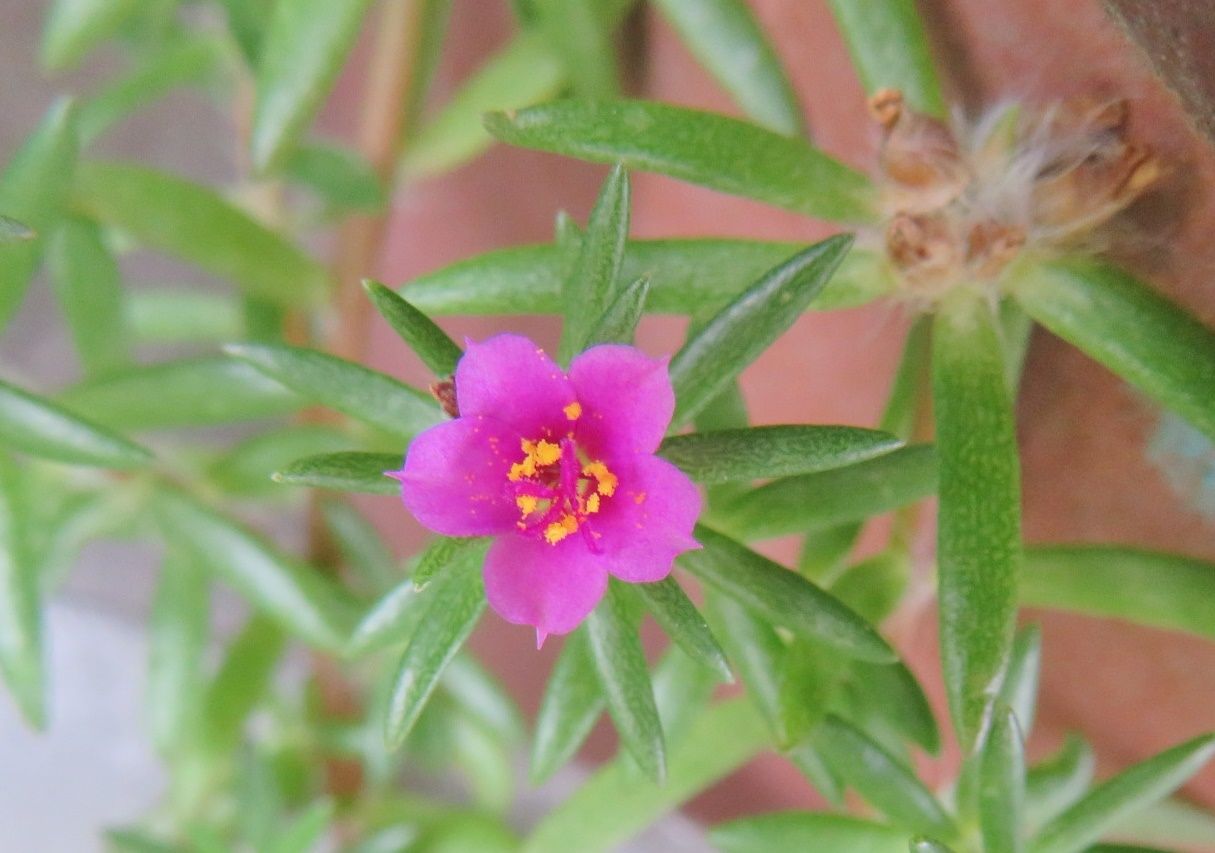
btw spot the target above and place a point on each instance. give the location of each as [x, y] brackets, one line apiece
[605, 480]
[547, 453]
[592, 503]
[558, 530]
[538, 454]
[527, 503]
[573, 411]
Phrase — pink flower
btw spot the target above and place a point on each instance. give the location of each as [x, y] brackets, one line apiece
[560, 467]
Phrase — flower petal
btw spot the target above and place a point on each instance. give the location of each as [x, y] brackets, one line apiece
[552, 587]
[454, 479]
[649, 521]
[510, 378]
[626, 397]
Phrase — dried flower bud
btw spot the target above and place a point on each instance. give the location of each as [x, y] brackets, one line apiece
[445, 392]
[919, 156]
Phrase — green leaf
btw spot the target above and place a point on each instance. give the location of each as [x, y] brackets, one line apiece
[181, 63]
[443, 552]
[726, 39]
[177, 640]
[823, 500]
[360, 544]
[807, 831]
[715, 151]
[392, 620]
[615, 803]
[682, 689]
[1002, 785]
[894, 693]
[581, 36]
[1019, 687]
[912, 381]
[182, 316]
[782, 596]
[979, 520]
[306, 831]
[524, 72]
[482, 698]
[12, 231]
[33, 189]
[1056, 783]
[741, 331]
[88, 286]
[1147, 587]
[773, 451]
[928, 845]
[74, 27]
[304, 48]
[875, 586]
[41, 428]
[192, 392]
[1087, 820]
[756, 652]
[811, 765]
[191, 222]
[620, 664]
[572, 702]
[890, 50]
[297, 596]
[881, 779]
[619, 322]
[349, 388]
[338, 175]
[678, 616]
[22, 653]
[437, 351]
[591, 287]
[687, 277]
[1117, 320]
[811, 676]
[243, 680]
[454, 610]
[247, 468]
[248, 21]
[1173, 821]
[347, 472]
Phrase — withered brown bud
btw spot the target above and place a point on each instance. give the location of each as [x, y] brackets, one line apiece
[919, 155]
[922, 246]
[991, 246]
[445, 392]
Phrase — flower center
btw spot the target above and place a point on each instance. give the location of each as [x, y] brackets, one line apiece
[557, 488]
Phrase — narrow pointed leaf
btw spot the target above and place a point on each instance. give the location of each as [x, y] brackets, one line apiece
[782, 596]
[893, 691]
[191, 222]
[687, 277]
[928, 845]
[807, 831]
[756, 651]
[619, 322]
[881, 779]
[22, 655]
[715, 151]
[179, 64]
[765, 452]
[352, 389]
[89, 289]
[580, 35]
[182, 316]
[12, 231]
[248, 21]
[191, 392]
[302, 52]
[979, 527]
[297, 596]
[339, 176]
[41, 428]
[620, 664]
[177, 640]
[809, 762]
[454, 610]
[439, 352]
[1147, 587]
[1019, 689]
[727, 40]
[74, 27]
[819, 501]
[874, 587]
[615, 804]
[443, 553]
[482, 697]
[746, 327]
[34, 188]
[247, 468]
[678, 616]
[350, 471]
[526, 71]
[682, 690]
[572, 702]
[1051, 786]
[1147, 340]
[392, 620]
[1132, 789]
[242, 682]
[306, 831]
[1002, 785]
[890, 50]
[591, 287]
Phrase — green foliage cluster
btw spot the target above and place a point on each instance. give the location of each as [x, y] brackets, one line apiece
[117, 455]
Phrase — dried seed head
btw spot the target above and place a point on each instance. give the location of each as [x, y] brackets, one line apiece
[445, 392]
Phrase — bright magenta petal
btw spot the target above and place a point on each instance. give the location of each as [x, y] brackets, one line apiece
[627, 400]
[508, 377]
[455, 477]
[649, 521]
[551, 587]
